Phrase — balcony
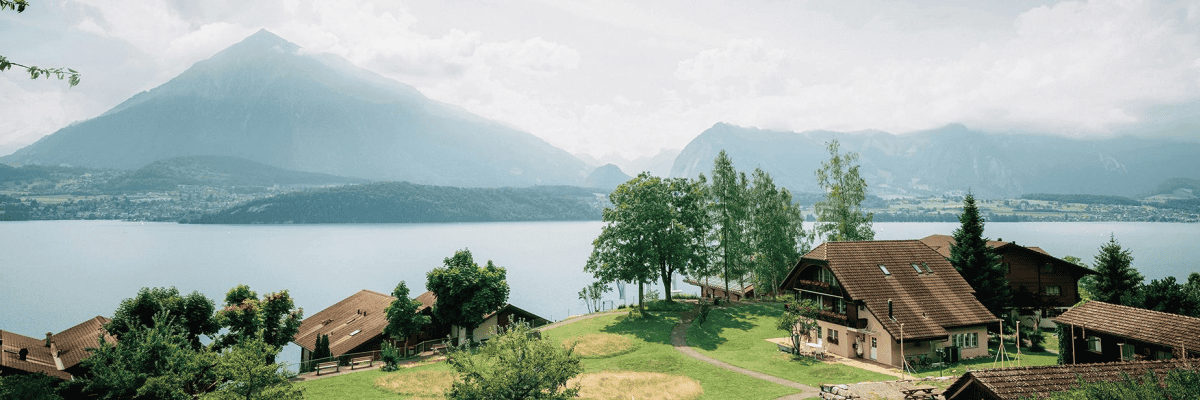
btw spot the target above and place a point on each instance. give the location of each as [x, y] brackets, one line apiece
[818, 287]
[833, 317]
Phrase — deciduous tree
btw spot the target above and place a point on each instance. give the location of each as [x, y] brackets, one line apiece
[465, 292]
[840, 217]
[153, 361]
[517, 364]
[193, 313]
[776, 231]
[242, 373]
[591, 295]
[1117, 278]
[403, 318]
[730, 214]
[275, 316]
[798, 319]
[979, 264]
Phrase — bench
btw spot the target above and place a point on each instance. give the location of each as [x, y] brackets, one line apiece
[327, 365]
[919, 392]
[354, 362]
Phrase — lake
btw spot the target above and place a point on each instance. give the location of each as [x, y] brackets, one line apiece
[55, 274]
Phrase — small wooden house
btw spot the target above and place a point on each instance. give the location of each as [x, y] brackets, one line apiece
[1044, 381]
[1043, 286]
[1105, 332]
[56, 355]
[877, 296]
[717, 290]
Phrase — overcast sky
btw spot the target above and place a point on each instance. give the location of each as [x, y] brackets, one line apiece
[634, 77]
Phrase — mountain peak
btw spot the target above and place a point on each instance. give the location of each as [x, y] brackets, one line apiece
[265, 40]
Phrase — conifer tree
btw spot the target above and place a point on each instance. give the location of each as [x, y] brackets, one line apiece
[979, 265]
[1117, 280]
[730, 212]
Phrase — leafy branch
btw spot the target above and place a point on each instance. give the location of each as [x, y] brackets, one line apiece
[35, 71]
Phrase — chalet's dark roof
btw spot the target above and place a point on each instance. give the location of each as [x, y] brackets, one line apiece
[926, 303]
[1143, 325]
[349, 323]
[1041, 382]
[943, 243]
[39, 358]
[72, 345]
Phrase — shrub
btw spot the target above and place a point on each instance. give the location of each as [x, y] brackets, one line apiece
[390, 357]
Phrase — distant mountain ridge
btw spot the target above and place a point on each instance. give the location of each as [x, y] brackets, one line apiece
[265, 100]
[403, 202]
[951, 159]
[219, 171]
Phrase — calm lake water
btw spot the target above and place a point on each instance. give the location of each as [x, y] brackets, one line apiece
[54, 274]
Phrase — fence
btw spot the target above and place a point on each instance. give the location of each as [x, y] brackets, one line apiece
[343, 360]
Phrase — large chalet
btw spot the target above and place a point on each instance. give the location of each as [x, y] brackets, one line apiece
[876, 294]
[1043, 286]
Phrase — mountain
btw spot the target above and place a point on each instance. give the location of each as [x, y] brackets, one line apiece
[951, 159]
[607, 176]
[268, 101]
[658, 165]
[392, 202]
[218, 171]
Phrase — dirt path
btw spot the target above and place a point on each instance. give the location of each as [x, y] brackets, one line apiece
[679, 340]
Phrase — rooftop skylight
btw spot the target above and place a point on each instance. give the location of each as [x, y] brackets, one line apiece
[884, 269]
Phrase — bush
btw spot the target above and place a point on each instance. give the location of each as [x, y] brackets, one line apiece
[1037, 339]
[685, 296]
[390, 357]
[650, 295]
[662, 305]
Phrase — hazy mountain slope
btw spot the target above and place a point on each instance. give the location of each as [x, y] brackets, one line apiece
[266, 100]
[607, 176]
[220, 171]
[952, 158]
[392, 202]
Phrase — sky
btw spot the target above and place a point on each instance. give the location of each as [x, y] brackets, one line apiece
[630, 78]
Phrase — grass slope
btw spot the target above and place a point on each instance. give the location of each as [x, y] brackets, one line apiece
[737, 334]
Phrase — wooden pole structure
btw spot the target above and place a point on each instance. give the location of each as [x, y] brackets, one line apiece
[1072, 344]
[903, 361]
[1018, 343]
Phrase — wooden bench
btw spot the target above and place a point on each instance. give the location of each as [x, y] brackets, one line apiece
[919, 392]
[354, 362]
[327, 365]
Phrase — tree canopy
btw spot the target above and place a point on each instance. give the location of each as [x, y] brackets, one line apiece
[402, 316]
[193, 313]
[979, 264]
[776, 231]
[275, 317]
[730, 214]
[466, 292]
[840, 216]
[517, 364]
[1117, 278]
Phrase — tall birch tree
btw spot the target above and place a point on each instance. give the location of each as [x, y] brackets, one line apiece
[840, 217]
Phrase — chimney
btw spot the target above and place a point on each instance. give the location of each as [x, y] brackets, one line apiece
[890, 310]
[49, 338]
[22, 354]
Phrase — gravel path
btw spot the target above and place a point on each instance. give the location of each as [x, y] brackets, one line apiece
[679, 340]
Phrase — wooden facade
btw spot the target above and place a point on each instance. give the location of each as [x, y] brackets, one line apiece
[1103, 332]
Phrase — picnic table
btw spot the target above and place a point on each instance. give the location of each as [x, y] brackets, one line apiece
[816, 350]
[919, 392]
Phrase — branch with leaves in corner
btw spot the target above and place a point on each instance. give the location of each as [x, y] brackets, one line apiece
[35, 72]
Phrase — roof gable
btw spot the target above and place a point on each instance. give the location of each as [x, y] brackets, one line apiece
[926, 303]
[37, 360]
[349, 323]
[72, 344]
[1168, 329]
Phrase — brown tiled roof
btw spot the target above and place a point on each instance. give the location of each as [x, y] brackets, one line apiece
[349, 323]
[942, 244]
[531, 318]
[926, 303]
[1041, 382]
[719, 285]
[39, 358]
[1143, 325]
[72, 344]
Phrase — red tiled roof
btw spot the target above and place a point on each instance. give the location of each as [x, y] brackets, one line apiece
[926, 303]
[72, 344]
[1042, 382]
[349, 323]
[1143, 325]
[39, 358]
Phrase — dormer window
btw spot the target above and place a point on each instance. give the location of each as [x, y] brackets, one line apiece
[885, 270]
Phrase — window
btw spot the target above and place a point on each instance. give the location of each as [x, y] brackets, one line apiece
[927, 269]
[1162, 355]
[1053, 290]
[818, 331]
[833, 336]
[841, 306]
[825, 275]
[884, 269]
[917, 267]
[966, 340]
[1048, 268]
[1093, 344]
[1127, 351]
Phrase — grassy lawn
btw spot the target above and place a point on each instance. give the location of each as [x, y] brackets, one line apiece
[358, 385]
[737, 334]
[654, 353]
[650, 351]
[1026, 359]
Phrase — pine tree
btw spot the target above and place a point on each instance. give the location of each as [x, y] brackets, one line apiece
[979, 264]
[731, 214]
[1117, 279]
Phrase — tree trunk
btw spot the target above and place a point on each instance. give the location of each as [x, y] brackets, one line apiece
[641, 298]
[666, 282]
